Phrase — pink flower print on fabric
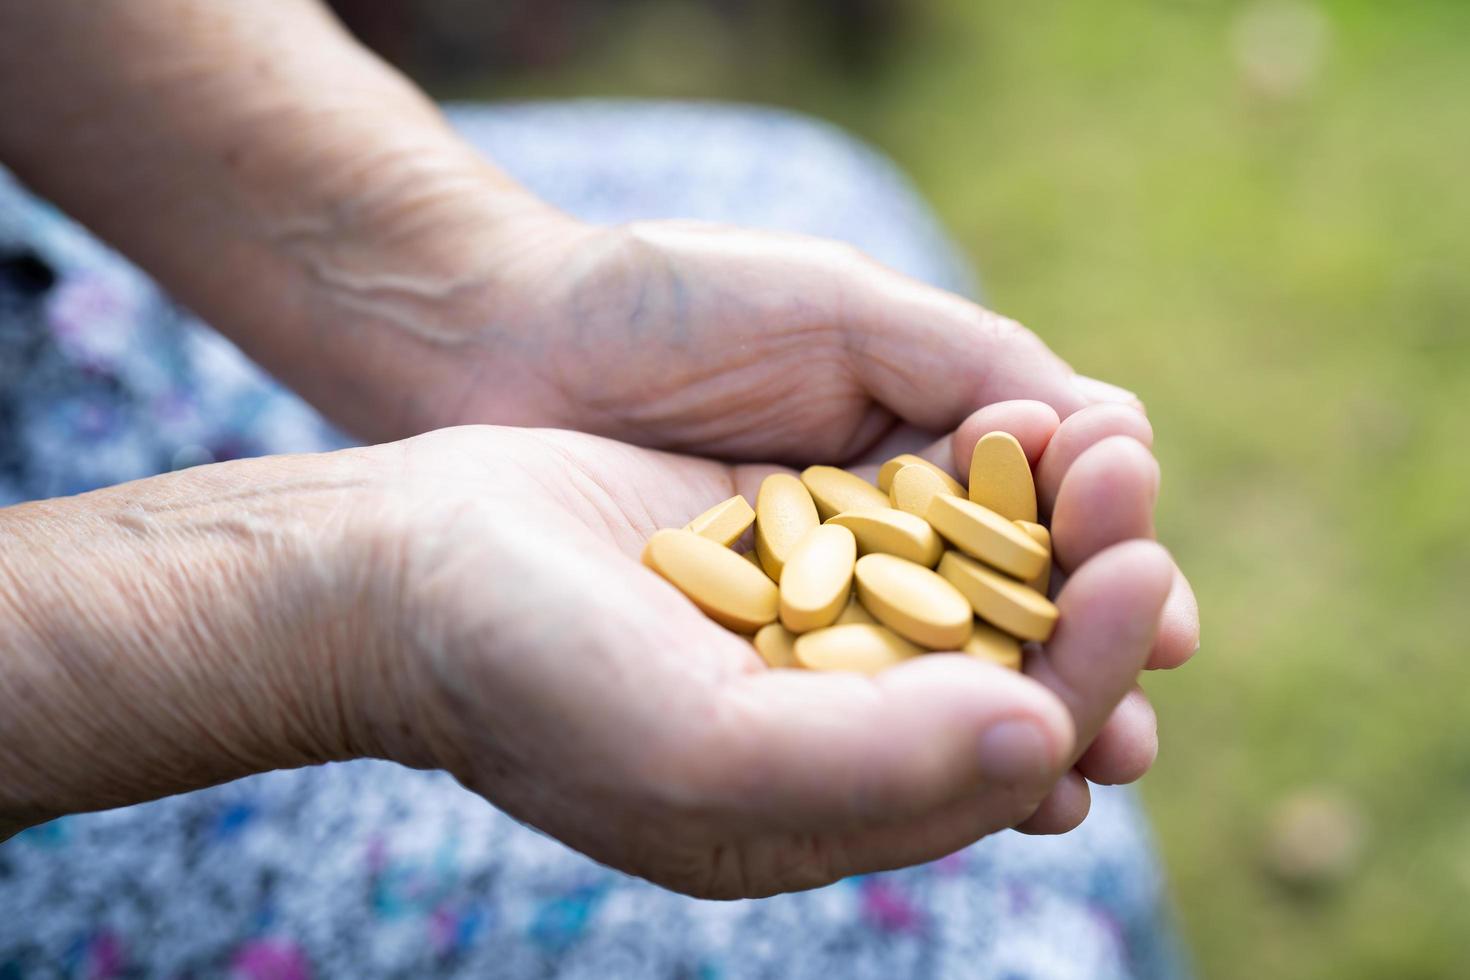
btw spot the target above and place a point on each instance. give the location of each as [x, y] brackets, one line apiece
[94, 317]
[951, 864]
[887, 907]
[266, 959]
[454, 928]
[404, 886]
[104, 957]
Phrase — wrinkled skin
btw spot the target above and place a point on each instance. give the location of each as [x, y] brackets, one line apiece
[479, 605]
[538, 661]
[722, 342]
[718, 341]
[740, 344]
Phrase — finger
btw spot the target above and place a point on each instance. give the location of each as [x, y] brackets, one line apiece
[811, 752]
[1127, 744]
[1178, 627]
[1179, 632]
[1109, 615]
[1031, 422]
[933, 357]
[1064, 808]
[1106, 497]
[1079, 433]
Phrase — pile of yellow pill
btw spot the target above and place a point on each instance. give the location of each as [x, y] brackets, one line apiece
[850, 576]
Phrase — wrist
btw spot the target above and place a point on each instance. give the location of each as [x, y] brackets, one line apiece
[430, 303]
[171, 634]
[279, 180]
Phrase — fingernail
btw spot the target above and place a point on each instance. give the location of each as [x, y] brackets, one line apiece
[1100, 391]
[1014, 752]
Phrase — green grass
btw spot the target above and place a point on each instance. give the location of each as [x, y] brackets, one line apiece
[1286, 282]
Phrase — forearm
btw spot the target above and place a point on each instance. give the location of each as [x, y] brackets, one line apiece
[173, 633]
[278, 178]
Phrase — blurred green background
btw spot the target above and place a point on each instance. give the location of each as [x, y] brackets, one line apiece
[1254, 214]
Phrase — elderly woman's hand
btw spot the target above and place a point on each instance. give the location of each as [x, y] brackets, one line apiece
[472, 599]
[542, 664]
[717, 341]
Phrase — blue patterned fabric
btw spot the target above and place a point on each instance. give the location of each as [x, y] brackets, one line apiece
[368, 869]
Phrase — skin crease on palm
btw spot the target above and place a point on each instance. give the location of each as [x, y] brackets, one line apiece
[669, 751]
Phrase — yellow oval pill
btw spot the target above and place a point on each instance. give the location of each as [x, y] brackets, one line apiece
[890, 469]
[818, 578]
[725, 521]
[986, 643]
[856, 647]
[999, 600]
[726, 587]
[784, 513]
[777, 645]
[836, 490]
[914, 487]
[984, 534]
[913, 601]
[893, 532]
[1041, 581]
[1000, 477]
[854, 612]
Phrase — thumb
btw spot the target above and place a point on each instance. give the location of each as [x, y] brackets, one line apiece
[807, 752]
